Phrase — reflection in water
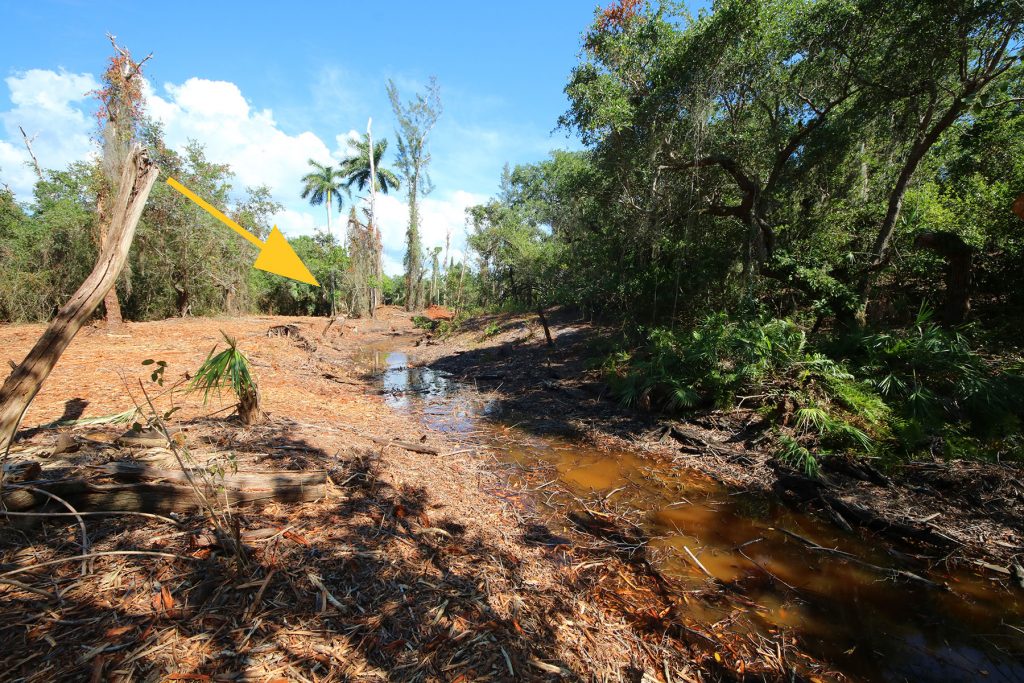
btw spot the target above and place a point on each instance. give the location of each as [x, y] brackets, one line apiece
[870, 628]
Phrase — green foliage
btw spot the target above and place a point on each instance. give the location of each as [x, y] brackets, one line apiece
[157, 374]
[935, 376]
[48, 248]
[490, 330]
[911, 386]
[416, 119]
[797, 456]
[326, 261]
[227, 369]
[448, 328]
[707, 366]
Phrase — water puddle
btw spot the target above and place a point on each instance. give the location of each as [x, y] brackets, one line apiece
[867, 626]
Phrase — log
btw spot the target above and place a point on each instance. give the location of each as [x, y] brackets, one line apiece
[172, 494]
[22, 471]
[25, 381]
[136, 471]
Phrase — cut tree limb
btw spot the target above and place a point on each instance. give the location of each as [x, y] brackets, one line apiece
[168, 490]
[24, 382]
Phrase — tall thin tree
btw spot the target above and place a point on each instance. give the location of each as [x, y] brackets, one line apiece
[358, 170]
[416, 118]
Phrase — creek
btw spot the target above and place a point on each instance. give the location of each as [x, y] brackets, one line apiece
[862, 623]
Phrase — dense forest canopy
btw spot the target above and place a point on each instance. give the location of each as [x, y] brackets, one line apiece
[806, 202]
[815, 158]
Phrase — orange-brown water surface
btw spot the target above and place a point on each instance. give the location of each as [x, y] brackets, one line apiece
[860, 620]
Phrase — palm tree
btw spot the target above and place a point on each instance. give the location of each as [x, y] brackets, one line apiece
[323, 185]
[358, 169]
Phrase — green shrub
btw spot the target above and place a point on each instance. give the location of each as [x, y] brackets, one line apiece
[423, 322]
[935, 377]
[704, 367]
[490, 330]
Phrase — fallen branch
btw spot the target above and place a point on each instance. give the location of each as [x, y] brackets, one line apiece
[89, 556]
[892, 572]
[171, 495]
[407, 445]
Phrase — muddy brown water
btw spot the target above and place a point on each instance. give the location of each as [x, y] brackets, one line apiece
[863, 624]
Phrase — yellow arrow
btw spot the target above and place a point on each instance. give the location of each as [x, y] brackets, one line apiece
[276, 255]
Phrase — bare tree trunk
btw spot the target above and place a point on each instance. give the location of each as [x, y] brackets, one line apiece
[959, 271]
[462, 277]
[544, 323]
[376, 293]
[25, 380]
[113, 307]
[111, 304]
[880, 250]
[28, 146]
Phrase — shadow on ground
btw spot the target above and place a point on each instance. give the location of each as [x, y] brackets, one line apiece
[364, 585]
[544, 389]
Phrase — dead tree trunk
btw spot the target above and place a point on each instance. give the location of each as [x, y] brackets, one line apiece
[24, 382]
[959, 266]
[544, 323]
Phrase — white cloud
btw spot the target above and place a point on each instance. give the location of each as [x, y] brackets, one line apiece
[346, 144]
[392, 265]
[53, 108]
[296, 222]
[259, 153]
[56, 105]
[438, 218]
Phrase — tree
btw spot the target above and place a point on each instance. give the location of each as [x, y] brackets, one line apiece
[186, 263]
[323, 186]
[362, 251]
[935, 60]
[358, 170]
[119, 117]
[434, 254]
[24, 382]
[416, 119]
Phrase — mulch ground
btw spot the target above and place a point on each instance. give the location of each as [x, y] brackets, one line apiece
[413, 567]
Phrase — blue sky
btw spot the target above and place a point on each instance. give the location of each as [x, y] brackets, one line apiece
[266, 87]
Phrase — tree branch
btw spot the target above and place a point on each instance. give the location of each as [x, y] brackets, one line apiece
[28, 145]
